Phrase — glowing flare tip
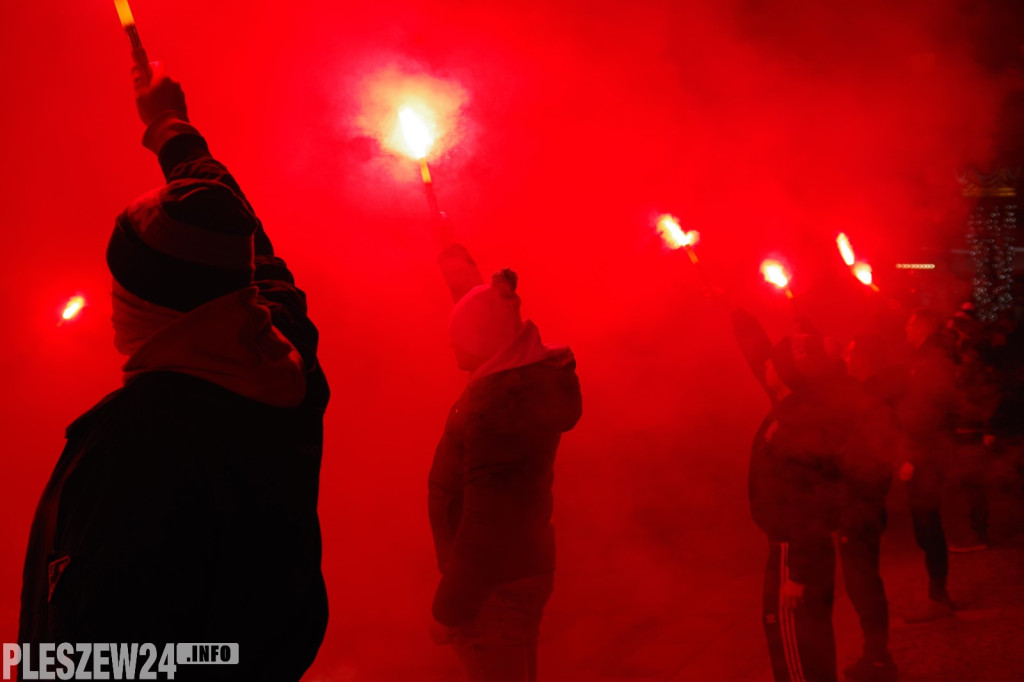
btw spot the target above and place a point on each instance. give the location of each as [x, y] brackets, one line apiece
[414, 129]
[675, 237]
[775, 273]
[73, 307]
[845, 250]
[124, 12]
[862, 271]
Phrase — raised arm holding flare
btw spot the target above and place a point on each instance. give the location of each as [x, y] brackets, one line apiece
[184, 505]
[490, 498]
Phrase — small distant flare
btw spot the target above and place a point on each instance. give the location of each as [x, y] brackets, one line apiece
[73, 307]
[845, 250]
[862, 271]
[675, 237]
[775, 273]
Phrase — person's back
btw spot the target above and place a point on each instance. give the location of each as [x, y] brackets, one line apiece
[183, 508]
[490, 499]
[497, 456]
[796, 489]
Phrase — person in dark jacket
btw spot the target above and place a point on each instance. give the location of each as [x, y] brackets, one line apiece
[490, 499]
[927, 417]
[796, 487]
[184, 505]
[977, 390]
[868, 476]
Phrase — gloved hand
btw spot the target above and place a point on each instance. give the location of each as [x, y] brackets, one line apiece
[158, 95]
[906, 472]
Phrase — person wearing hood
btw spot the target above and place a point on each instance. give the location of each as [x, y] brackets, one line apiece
[797, 489]
[184, 505]
[490, 499]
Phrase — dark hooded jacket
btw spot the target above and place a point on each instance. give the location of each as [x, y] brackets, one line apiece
[806, 454]
[797, 482]
[490, 498]
[180, 511]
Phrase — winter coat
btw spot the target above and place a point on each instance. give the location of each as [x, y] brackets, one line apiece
[490, 500]
[796, 481]
[928, 412]
[182, 512]
[867, 469]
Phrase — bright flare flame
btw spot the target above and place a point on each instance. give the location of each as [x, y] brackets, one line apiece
[845, 250]
[862, 271]
[73, 307]
[775, 273]
[414, 129]
[674, 235]
[124, 12]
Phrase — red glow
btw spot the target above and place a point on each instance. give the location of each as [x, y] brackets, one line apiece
[73, 307]
[845, 250]
[775, 273]
[429, 109]
[561, 131]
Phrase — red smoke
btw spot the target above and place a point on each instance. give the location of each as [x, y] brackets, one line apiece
[769, 127]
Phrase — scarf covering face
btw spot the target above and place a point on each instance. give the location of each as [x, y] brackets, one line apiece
[229, 341]
[184, 300]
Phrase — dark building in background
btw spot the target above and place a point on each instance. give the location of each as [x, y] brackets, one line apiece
[991, 229]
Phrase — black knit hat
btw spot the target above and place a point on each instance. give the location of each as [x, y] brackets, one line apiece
[184, 244]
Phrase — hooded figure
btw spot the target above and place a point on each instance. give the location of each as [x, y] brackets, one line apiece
[184, 505]
[490, 483]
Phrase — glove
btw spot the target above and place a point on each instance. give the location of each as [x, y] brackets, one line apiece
[906, 472]
[158, 95]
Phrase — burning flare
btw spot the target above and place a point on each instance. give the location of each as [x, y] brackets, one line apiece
[775, 273]
[124, 12]
[674, 235]
[862, 271]
[73, 307]
[845, 250]
[417, 135]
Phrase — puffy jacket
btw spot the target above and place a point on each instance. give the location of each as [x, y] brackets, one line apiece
[490, 498]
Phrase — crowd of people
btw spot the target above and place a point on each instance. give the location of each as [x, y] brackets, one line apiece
[219, 427]
[934, 409]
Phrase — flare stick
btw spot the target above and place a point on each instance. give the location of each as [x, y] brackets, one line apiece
[419, 140]
[124, 12]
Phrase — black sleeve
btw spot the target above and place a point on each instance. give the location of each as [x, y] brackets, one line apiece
[753, 342]
[290, 315]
